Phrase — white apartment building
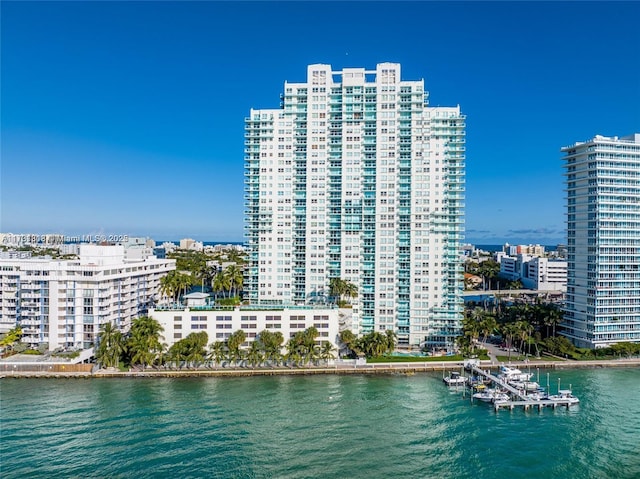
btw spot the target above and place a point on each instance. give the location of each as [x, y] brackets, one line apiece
[63, 303]
[603, 229]
[219, 323]
[544, 274]
[357, 177]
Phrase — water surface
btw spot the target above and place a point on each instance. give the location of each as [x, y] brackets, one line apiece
[313, 427]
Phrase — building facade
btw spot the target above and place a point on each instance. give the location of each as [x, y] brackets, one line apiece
[544, 274]
[63, 303]
[603, 234]
[219, 323]
[356, 177]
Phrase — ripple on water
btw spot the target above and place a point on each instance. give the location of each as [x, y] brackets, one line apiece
[328, 426]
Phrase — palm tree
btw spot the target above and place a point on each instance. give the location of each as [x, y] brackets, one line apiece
[554, 317]
[271, 344]
[144, 341]
[254, 356]
[340, 288]
[233, 344]
[350, 290]
[326, 351]
[234, 277]
[391, 340]
[218, 352]
[336, 288]
[235, 256]
[293, 355]
[488, 326]
[184, 282]
[168, 285]
[510, 330]
[110, 346]
[220, 283]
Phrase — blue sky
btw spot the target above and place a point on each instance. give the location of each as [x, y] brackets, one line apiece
[127, 117]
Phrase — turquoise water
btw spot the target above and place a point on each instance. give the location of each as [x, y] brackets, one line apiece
[313, 427]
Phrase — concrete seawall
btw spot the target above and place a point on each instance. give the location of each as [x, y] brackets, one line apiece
[375, 368]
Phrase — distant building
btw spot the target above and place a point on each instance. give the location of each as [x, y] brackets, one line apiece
[168, 247]
[534, 272]
[533, 250]
[63, 303]
[603, 241]
[190, 244]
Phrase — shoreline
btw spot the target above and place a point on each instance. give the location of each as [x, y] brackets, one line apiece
[374, 368]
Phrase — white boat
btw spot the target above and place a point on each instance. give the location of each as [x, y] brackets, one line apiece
[564, 396]
[525, 385]
[455, 379]
[491, 395]
[513, 374]
[501, 398]
[538, 395]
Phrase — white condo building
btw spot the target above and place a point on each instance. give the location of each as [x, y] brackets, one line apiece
[544, 274]
[63, 303]
[356, 177]
[603, 220]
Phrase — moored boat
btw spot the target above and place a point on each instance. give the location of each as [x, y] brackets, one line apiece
[513, 374]
[564, 396]
[491, 395]
[455, 379]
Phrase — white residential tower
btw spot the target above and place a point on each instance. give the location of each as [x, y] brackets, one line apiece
[603, 235]
[356, 177]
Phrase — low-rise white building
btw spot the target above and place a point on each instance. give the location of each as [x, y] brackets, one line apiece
[63, 303]
[220, 323]
[544, 274]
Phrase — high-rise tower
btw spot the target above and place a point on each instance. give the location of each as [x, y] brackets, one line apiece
[356, 177]
[603, 241]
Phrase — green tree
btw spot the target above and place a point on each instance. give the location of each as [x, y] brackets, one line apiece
[255, 356]
[234, 342]
[552, 317]
[11, 337]
[391, 340]
[326, 351]
[110, 346]
[234, 277]
[168, 285]
[220, 283]
[271, 344]
[144, 341]
[339, 288]
[489, 270]
[218, 351]
[487, 326]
